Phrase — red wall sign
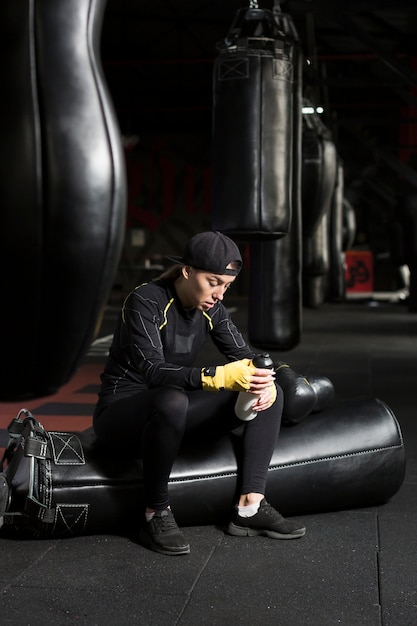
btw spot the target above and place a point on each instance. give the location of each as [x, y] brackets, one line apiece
[359, 271]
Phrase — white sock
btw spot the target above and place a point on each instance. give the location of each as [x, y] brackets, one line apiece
[249, 510]
[149, 516]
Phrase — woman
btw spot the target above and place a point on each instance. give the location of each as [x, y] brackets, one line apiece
[151, 390]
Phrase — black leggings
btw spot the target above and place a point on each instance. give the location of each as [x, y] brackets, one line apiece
[151, 424]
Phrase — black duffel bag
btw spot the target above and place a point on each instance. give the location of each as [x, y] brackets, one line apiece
[34, 463]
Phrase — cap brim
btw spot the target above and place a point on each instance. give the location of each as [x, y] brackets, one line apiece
[176, 259]
[179, 260]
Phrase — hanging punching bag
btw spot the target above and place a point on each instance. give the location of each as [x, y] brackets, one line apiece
[252, 127]
[349, 225]
[336, 284]
[63, 191]
[318, 183]
[317, 258]
[275, 297]
[312, 172]
[319, 171]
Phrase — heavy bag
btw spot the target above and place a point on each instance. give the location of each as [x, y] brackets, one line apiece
[63, 484]
[318, 183]
[275, 267]
[312, 166]
[336, 282]
[275, 303]
[316, 265]
[252, 139]
[349, 225]
[319, 171]
[63, 191]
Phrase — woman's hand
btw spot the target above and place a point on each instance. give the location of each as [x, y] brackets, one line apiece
[262, 384]
[265, 399]
[261, 379]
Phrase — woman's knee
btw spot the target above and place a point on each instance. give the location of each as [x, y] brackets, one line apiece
[171, 406]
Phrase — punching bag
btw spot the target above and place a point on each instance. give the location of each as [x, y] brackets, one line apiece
[63, 191]
[275, 289]
[336, 283]
[252, 126]
[319, 171]
[316, 252]
[349, 225]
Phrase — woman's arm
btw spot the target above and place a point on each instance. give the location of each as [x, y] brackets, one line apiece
[140, 339]
[227, 337]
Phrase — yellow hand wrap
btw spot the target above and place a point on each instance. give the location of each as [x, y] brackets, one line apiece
[233, 376]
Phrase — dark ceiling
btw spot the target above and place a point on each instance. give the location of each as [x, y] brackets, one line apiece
[158, 58]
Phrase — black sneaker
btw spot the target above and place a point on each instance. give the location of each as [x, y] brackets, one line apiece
[268, 522]
[162, 534]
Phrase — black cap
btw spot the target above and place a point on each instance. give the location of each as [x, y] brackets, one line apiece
[211, 251]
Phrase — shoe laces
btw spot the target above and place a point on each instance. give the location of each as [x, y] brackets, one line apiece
[269, 510]
[165, 520]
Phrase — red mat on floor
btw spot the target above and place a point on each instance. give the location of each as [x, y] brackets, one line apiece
[70, 409]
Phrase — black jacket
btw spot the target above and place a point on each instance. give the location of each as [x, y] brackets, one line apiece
[156, 342]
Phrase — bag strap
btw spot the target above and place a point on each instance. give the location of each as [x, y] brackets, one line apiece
[26, 431]
[15, 429]
[35, 442]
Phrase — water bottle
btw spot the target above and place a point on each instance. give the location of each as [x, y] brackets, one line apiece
[245, 400]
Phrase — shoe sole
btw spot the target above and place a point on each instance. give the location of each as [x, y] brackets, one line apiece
[146, 543]
[241, 531]
[180, 551]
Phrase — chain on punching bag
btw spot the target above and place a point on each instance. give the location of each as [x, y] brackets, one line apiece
[275, 298]
[63, 191]
[252, 126]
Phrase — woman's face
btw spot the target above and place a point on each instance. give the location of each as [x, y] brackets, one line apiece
[201, 290]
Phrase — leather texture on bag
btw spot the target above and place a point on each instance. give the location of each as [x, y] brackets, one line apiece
[63, 184]
[336, 283]
[351, 454]
[253, 105]
[275, 267]
[319, 179]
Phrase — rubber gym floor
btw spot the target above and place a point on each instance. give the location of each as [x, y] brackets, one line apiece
[353, 567]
